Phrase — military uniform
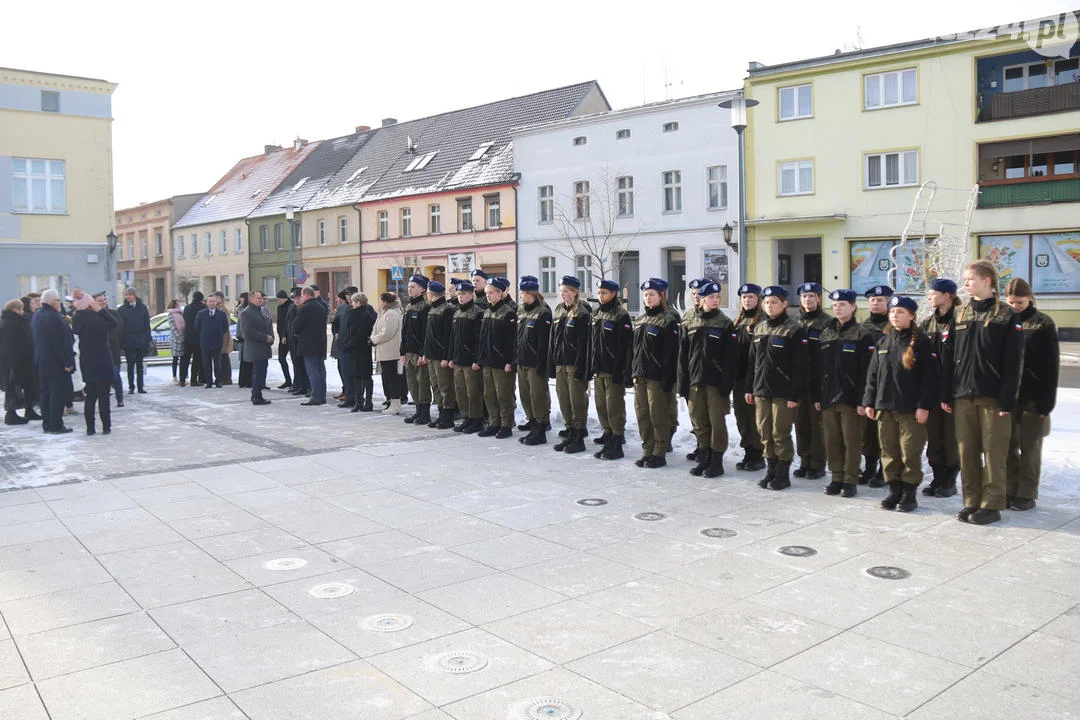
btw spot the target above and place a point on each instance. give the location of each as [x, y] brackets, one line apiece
[1031, 419]
[612, 352]
[941, 448]
[437, 331]
[531, 357]
[809, 428]
[745, 420]
[413, 334]
[708, 355]
[571, 368]
[871, 448]
[465, 348]
[983, 364]
[655, 370]
[498, 331]
[837, 380]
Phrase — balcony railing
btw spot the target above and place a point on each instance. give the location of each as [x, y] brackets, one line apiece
[1030, 193]
[1036, 101]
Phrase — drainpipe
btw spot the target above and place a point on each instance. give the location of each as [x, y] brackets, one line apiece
[517, 265]
[359, 248]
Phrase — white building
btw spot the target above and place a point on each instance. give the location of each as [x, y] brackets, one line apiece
[630, 194]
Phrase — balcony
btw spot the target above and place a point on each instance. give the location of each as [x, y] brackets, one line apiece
[1026, 84]
[1036, 101]
[1030, 193]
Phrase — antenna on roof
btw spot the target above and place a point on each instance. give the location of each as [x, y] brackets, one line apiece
[409, 145]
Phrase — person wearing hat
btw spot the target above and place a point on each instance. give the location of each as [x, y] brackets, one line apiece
[941, 448]
[464, 359]
[693, 287]
[1038, 395]
[837, 381]
[284, 303]
[612, 350]
[531, 357]
[301, 385]
[192, 352]
[357, 342]
[498, 332]
[809, 428]
[776, 382]
[570, 363]
[901, 387]
[339, 328]
[878, 299]
[413, 334]
[479, 283]
[436, 355]
[750, 314]
[654, 370]
[708, 355]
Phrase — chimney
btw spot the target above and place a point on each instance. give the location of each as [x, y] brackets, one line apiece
[299, 142]
[362, 128]
[267, 149]
[755, 65]
[387, 122]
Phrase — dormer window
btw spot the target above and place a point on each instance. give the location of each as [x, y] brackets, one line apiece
[622, 134]
[671, 126]
[299, 184]
[580, 140]
[480, 151]
[421, 162]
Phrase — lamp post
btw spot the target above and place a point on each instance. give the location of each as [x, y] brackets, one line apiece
[290, 269]
[111, 241]
[738, 106]
[728, 230]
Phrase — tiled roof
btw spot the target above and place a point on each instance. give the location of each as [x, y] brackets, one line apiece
[245, 186]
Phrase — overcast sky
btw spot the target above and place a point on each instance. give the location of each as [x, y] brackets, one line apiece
[203, 84]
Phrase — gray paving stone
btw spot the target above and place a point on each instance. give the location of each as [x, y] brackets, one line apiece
[67, 607]
[168, 494]
[183, 583]
[185, 509]
[657, 601]
[348, 626]
[531, 516]
[221, 616]
[459, 531]
[263, 540]
[512, 551]
[216, 709]
[578, 573]
[296, 595]
[12, 498]
[253, 568]
[136, 536]
[19, 514]
[732, 574]
[829, 601]
[984, 695]
[489, 598]
[1067, 626]
[586, 533]
[12, 670]
[51, 577]
[428, 570]
[217, 523]
[1040, 660]
[32, 532]
[21, 703]
[991, 598]
[654, 552]
[149, 560]
[380, 547]
[31, 555]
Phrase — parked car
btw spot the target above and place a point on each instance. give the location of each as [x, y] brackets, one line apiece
[160, 332]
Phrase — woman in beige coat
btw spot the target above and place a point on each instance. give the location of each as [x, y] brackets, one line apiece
[386, 339]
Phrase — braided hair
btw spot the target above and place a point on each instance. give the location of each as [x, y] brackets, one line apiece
[908, 358]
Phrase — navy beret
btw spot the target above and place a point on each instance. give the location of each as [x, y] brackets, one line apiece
[480, 273]
[502, 283]
[419, 280]
[775, 291]
[879, 291]
[810, 287]
[905, 302]
[943, 285]
[530, 278]
[529, 284]
[464, 285]
[696, 283]
[571, 281]
[609, 285]
[845, 295]
[750, 288]
[657, 284]
[708, 288]
[436, 287]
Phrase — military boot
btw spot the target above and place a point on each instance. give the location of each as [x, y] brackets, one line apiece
[781, 480]
[704, 457]
[603, 439]
[434, 422]
[939, 474]
[770, 473]
[576, 441]
[907, 499]
[537, 436]
[896, 490]
[837, 484]
[716, 465]
[879, 475]
[423, 413]
[871, 468]
[947, 488]
[752, 460]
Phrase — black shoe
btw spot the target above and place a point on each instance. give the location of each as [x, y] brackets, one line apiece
[12, 418]
[310, 403]
[947, 487]
[576, 442]
[473, 426]
[770, 473]
[435, 420]
[566, 439]
[284, 386]
[656, 461]
[716, 465]
[538, 436]
[752, 461]
[984, 517]
[815, 474]
[640, 462]
[90, 431]
[31, 414]
[849, 490]
[119, 402]
[357, 407]
[908, 500]
[896, 489]
[801, 472]
[564, 432]
[131, 390]
[931, 489]
[264, 401]
[704, 456]
[613, 450]
[871, 469]
[106, 431]
[1022, 504]
[464, 424]
[60, 431]
[423, 414]
[504, 432]
[345, 404]
[781, 480]
[834, 488]
[603, 439]
[141, 391]
[527, 425]
[692, 456]
[488, 431]
[878, 480]
[446, 421]
[965, 514]
[411, 419]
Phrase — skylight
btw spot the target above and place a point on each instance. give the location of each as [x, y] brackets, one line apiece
[480, 151]
[255, 193]
[421, 162]
[208, 200]
[299, 184]
[356, 174]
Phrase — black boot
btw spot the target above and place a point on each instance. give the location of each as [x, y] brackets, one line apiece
[358, 405]
[527, 425]
[704, 457]
[603, 439]
[473, 426]
[538, 435]
[31, 414]
[804, 467]
[837, 484]
[716, 465]
[770, 473]
[781, 480]
[576, 442]
[489, 430]
[566, 439]
[871, 468]
[896, 489]
[692, 456]
[613, 450]
[939, 473]
[947, 488]
[415, 417]
[433, 422]
[423, 414]
[907, 499]
[752, 461]
[446, 420]
[879, 476]
[12, 418]
[656, 461]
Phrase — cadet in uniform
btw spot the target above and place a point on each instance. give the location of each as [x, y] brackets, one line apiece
[532, 357]
[655, 369]
[437, 330]
[498, 331]
[1038, 394]
[837, 380]
[464, 347]
[901, 387]
[479, 282]
[984, 358]
[941, 448]
[775, 383]
[708, 354]
[612, 351]
[693, 287]
[413, 334]
[878, 298]
[570, 363]
[809, 429]
[750, 314]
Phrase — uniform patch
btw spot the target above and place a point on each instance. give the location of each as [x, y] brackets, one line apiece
[715, 334]
[778, 342]
[652, 330]
[962, 326]
[609, 325]
[945, 335]
[814, 334]
[530, 323]
[849, 346]
[415, 314]
[1019, 327]
[883, 351]
[570, 323]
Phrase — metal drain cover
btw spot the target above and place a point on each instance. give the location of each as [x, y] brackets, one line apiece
[797, 551]
[887, 572]
[718, 533]
[549, 708]
[329, 591]
[285, 564]
[461, 662]
[387, 622]
[592, 502]
[650, 516]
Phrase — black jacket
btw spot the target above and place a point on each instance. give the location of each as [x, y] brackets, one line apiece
[984, 355]
[656, 347]
[16, 350]
[875, 325]
[779, 360]
[134, 326]
[838, 368]
[891, 386]
[498, 331]
[613, 342]
[414, 325]
[708, 352]
[310, 329]
[745, 325]
[1041, 360]
[465, 335]
[54, 343]
[290, 323]
[96, 362]
[357, 333]
[191, 336]
[570, 339]
[437, 330]
[533, 336]
[283, 323]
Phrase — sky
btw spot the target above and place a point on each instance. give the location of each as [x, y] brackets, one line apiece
[203, 84]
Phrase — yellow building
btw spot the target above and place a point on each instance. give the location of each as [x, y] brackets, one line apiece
[839, 146]
[56, 182]
[144, 253]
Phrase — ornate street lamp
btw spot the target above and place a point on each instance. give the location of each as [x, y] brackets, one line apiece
[728, 230]
[738, 106]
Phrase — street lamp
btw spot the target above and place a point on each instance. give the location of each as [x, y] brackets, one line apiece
[728, 230]
[290, 269]
[738, 106]
[111, 241]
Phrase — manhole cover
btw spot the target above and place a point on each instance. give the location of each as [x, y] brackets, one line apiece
[887, 572]
[387, 622]
[286, 564]
[461, 662]
[797, 551]
[592, 502]
[329, 591]
[549, 709]
[650, 516]
[718, 533]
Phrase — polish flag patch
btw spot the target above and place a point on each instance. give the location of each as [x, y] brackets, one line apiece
[945, 334]
[1019, 327]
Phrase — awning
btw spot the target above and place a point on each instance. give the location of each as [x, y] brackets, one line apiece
[835, 217]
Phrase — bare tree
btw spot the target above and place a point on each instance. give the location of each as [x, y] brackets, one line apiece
[185, 285]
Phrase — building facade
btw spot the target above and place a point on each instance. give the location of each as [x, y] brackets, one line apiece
[631, 194]
[144, 253]
[56, 182]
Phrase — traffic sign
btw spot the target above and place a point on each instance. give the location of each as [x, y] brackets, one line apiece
[397, 273]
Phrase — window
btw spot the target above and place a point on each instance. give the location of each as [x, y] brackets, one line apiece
[797, 178]
[546, 197]
[209, 244]
[1041, 165]
[224, 285]
[581, 200]
[479, 152]
[672, 180]
[625, 186]
[264, 238]
[406, 222]
[583, 270]
[890, 89]
[716, 180]
[180, 246]
[270, 286]
[580, 140]
[796, 102]
[671, 126]
[279, 236]
[241, 283]
[238, 235]
[493, 212]
[434, 219]
[384, 225]
[465, 215]
[547, 275]
[1026, 77]
[343, 229]
[131, 246]
[894, 169]
[144, 243]
[296, 239]
[421, 162]
[224, 242]
[38, 186]
[1065, 71]
[194, 244]
[159, 245]
[50, 101]
[622, 134]
[322, 232]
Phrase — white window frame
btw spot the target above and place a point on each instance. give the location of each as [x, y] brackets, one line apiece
[405, 220]
[583, 271]
[582, 205]
[493, 211]
[796, 166]
[1027, 77]
[796, 113]
[717, 186]
[270, 286]
[144, 243]
[179, 246]
[547, 275]
[624, 205]
[224, 287]
[384, 224]
[241, 283]
[238, 236]
[343, 229]
[881, 82]
[279, 236]
[224, 242]
[465, 219]
[545, 205]
[902, 169]
[435, 219]
[297, 236]
[671, 126]
[623, 134]
[209, 244]
[321, 232]
[671, 184]
[581, 140]
[194, 244]
[52, 181]
[159, 244]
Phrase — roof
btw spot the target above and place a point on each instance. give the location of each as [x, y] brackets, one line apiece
[312, 174]
[454, 150]
[245, 186]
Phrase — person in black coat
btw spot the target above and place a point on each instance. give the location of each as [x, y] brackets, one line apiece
[114, 348]
[284, 303]
[93, 323]
[134, 337]
[54, 358]
[357, 334]
[16, 361]
[309, 327]
[192, 350]
[300, 385]
[211, 325]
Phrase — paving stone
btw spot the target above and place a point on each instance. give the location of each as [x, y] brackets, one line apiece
[1040, 660]
[221, 616]
[428, 570]
[51, 577]
[67, 607]
[985, 695]
[21, 703]
[216, 709]
[489, 598]
[12, 670]
[578, 574]
[260, 541]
